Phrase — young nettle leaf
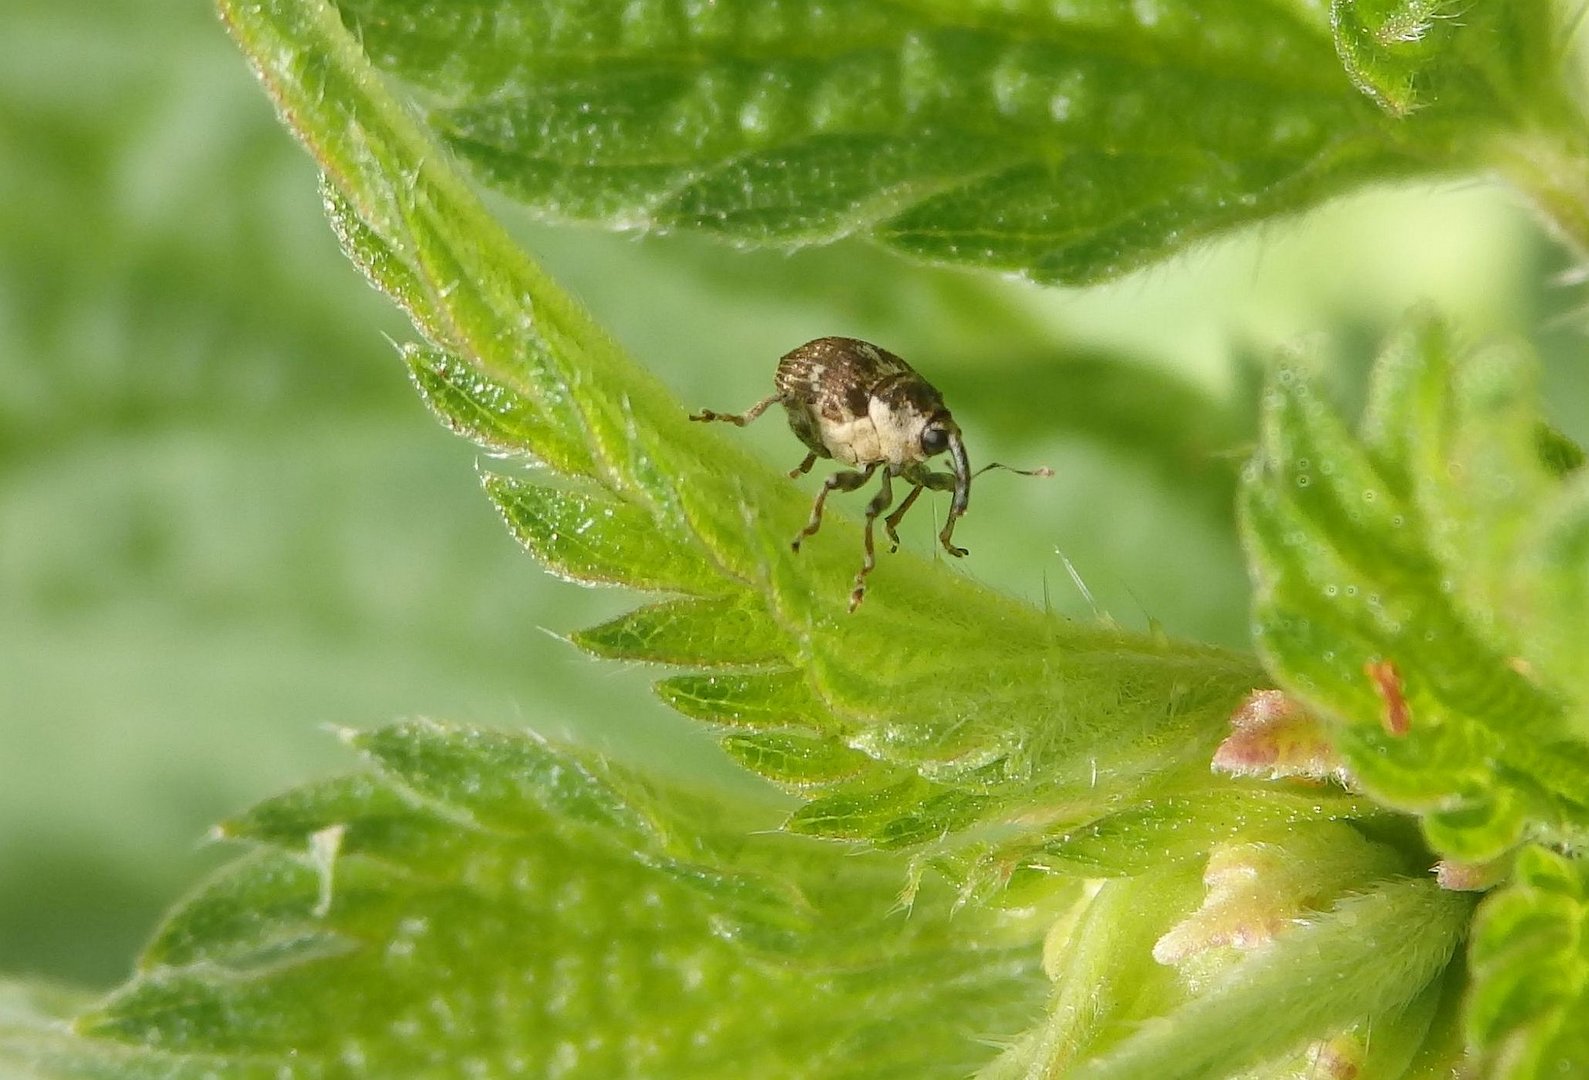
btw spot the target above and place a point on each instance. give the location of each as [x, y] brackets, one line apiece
[1531, 985]
[495, 906]
[1072, 142]
[1464, 61]
[1069, 141]
[1409, 584]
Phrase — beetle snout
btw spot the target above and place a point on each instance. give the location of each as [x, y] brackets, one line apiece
[962, 471]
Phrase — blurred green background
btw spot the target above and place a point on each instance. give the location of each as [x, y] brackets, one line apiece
[227, 524]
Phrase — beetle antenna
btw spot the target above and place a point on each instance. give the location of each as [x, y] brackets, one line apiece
[1041, 470]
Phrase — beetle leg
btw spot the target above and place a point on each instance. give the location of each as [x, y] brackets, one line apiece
[839, 481]
[879, 503]
[942, 481]
[805, 466]
[737, 419]
[891, 523]
[947, 533]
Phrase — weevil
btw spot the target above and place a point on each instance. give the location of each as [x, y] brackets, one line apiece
[864, 407]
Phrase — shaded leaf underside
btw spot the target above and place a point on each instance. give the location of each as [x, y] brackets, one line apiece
[1059, 140]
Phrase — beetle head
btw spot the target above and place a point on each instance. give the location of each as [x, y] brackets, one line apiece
[940, 433]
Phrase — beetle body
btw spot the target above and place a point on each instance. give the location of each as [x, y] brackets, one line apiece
[856, 403]
[864, 407]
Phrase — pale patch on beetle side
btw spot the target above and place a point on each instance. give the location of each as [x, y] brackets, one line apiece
[854, 442]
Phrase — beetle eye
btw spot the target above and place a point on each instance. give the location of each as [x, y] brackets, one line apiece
[935, 440]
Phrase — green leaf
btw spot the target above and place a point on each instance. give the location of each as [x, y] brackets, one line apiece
[593, 539]
[939, 715]
[1409, 586]
[1033, 137]
[690, 632]
[762, 701]
[1531, 969]
[794, 759]
[490, 903]
[1185, 827]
